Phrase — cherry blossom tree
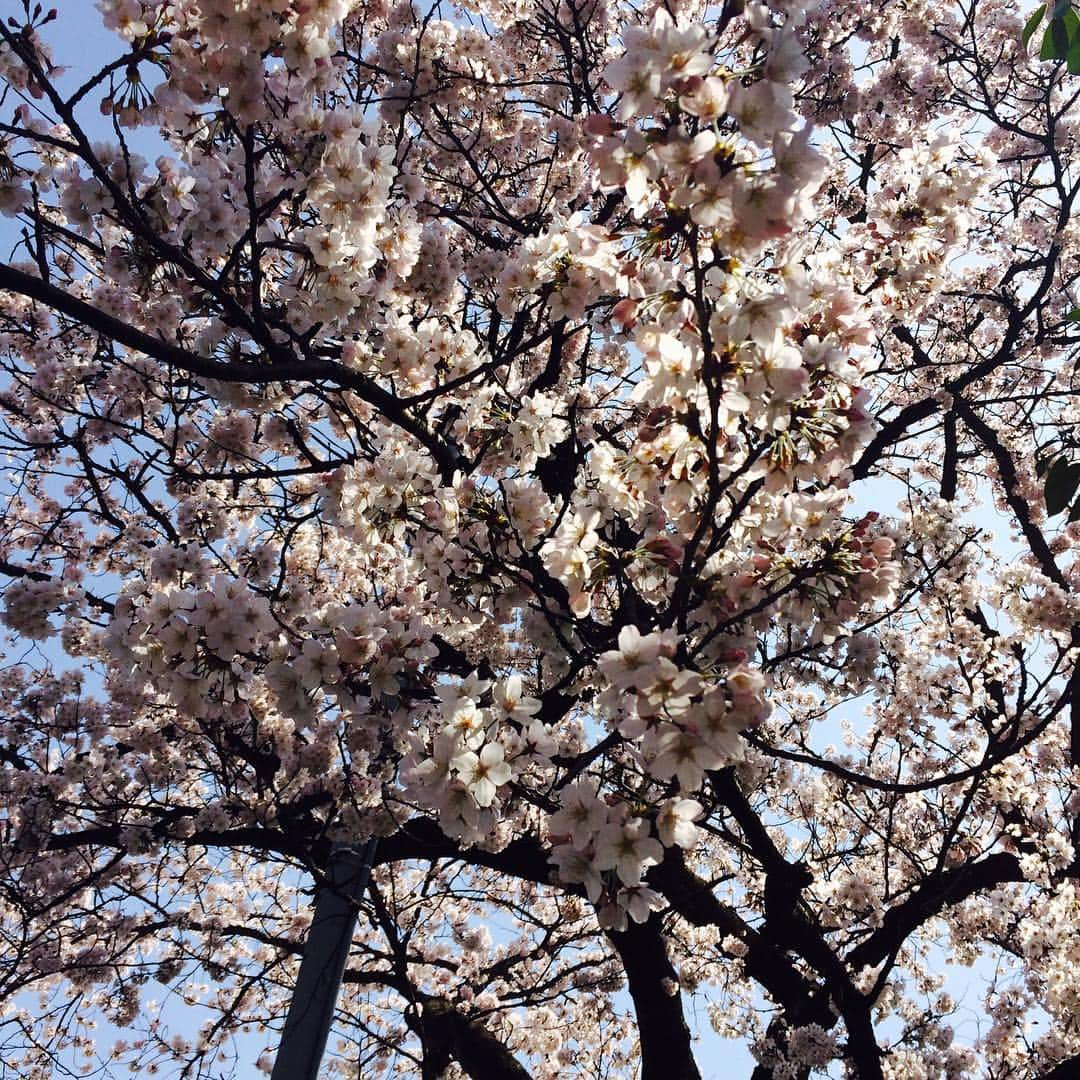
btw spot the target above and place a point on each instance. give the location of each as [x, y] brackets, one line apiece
[543, 441]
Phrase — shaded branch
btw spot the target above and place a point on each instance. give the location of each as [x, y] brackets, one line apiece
[284, 367]
[477, 1051]
[666, 1052]
[943, 890]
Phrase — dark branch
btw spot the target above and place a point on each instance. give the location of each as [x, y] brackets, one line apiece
[666, 1052]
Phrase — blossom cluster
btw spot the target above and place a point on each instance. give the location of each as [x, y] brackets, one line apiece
[465, 428]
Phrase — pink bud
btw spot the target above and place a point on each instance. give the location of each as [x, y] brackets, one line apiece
[882, 547]
[597, 124]
[624, 313]
[663, 547]
[689, 84]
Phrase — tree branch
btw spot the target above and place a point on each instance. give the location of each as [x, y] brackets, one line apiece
[930, 899]
[475, 1049]
[666, 1052]
[284, 367]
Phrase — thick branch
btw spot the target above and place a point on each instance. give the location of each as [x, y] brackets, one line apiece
[114, 836]
[929, 900]
[475, 1049]
[890, 433]
[689, 895]
[666, 1052]
[1009, 480]
[283, 367]
[422, 839]
[763, 961]
[791, 924]
[1064, 1070]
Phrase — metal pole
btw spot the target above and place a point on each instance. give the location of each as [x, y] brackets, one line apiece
[311, 1011]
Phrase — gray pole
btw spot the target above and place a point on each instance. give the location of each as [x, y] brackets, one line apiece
[311, 1010]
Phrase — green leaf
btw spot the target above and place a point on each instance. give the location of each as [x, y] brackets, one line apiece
[1074, 61]
[1074, 315]
[1062, 480]
[1055, 42]
[1060, 8]
[1072, 24]
[1033, 24]
[1060, 36]
[1046, 51]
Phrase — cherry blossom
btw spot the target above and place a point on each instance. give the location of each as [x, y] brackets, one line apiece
[552, 448]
